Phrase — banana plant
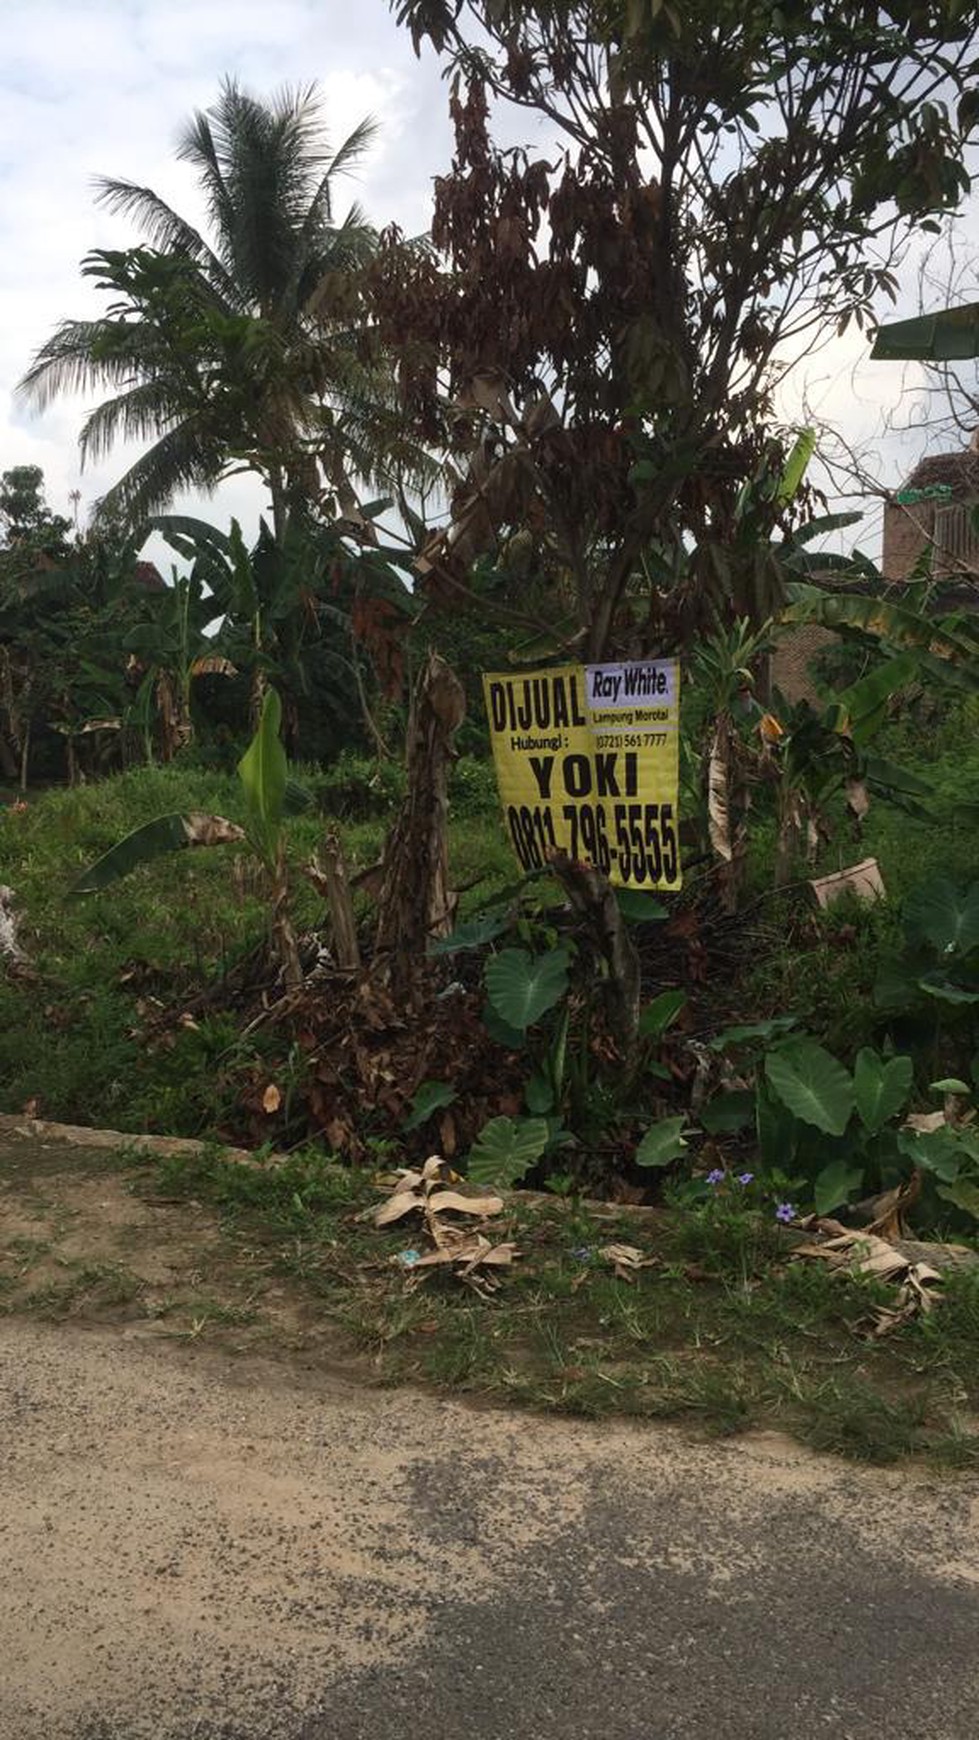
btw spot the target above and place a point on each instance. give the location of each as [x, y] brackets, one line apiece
[813, 757]
[171, 650]
[724, 668]
[292, 610]
[269, 795]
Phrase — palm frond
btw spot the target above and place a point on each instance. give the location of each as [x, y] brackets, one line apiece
[132, 416]
[197, 145]
[165, 229]
[80, 355]
[180, 460]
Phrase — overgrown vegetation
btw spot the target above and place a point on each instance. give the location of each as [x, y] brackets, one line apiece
[566, 400]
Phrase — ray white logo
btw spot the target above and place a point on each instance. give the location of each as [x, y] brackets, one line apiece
[609, 688]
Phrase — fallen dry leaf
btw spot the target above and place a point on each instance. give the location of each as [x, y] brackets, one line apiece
[466, 1249]
[396, 1206]
[925, 1122]
[442, 1200]
[271, 1099]
[626, 1260]
[863, 1253]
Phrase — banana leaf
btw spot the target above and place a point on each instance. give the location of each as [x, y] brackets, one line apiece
[154, 840]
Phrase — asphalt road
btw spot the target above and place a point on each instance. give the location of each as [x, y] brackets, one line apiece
[197, 1547]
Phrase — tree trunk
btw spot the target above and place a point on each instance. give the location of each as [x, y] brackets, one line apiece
[415, 903]
[25, 754]
[591, 894]
[280, 508]
[283, 934]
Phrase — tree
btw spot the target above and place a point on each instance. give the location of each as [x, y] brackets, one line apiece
[601, 329]
[28, 522]
[242, 347]
[66, 606]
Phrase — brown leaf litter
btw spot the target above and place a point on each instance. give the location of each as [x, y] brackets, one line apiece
[467, 1250]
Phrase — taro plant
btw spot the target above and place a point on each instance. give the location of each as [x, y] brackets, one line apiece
[935, 981]
[542, 997]
[842, 1134]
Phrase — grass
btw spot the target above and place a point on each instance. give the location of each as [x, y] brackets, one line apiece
[722, 1331]
[161, 935]
[75, 1043]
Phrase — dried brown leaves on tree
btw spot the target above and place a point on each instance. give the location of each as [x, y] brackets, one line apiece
[599, 325]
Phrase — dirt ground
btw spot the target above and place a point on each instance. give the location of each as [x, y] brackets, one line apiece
[83, 1240]
[209, 1530]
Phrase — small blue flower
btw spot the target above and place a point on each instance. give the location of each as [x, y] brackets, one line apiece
[717, 1176]
[746, 1177]
[785, 1212]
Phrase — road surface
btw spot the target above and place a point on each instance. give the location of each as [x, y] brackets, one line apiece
[198, 1547]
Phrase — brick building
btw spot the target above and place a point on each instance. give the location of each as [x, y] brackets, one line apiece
[936, 506]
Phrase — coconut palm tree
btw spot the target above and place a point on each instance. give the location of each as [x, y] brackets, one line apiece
[241, 345]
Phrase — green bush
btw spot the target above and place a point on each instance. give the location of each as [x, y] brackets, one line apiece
[357, 788]
[472, 789]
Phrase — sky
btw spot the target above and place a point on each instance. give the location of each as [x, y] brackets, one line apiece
[90, 87]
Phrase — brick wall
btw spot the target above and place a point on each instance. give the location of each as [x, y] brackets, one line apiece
[906, 532]
[794, 651]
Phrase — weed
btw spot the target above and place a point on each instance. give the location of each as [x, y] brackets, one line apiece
[853, 1418]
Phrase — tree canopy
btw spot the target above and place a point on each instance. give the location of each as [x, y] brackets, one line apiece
[602, 325]
[236, 346]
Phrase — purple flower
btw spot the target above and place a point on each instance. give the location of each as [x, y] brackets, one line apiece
[785, 1212]
[746, 1177]
[717, 1176]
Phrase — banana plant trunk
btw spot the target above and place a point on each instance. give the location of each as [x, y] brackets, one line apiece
[283, 933]
[415, 903]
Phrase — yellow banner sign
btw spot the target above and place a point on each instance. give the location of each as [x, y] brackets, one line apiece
[587, 762]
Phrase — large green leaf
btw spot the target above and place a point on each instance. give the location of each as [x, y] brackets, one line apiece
[936, 1151]
[865, 702]
[474, 934]
[263, 771]
[795, 465]
[522, 987]
[499, 1030]
[946, 990]
[154, 840]
[639, 907]
[964, 1193]
[778, 1130]
[747, 1031]
[946, 916]
[430, 1097]
[835, 1185]
[880, 1088]
[506, 1149]
[660, 1014]
[729, 1112]
[662, 1144]
[812, 1084]
[881, 618]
